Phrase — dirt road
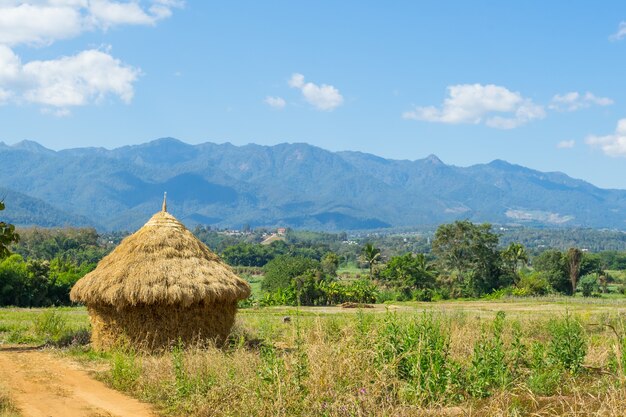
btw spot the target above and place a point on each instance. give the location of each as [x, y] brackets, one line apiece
[42, 385]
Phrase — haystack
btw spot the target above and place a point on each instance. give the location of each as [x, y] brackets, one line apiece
[159, 286]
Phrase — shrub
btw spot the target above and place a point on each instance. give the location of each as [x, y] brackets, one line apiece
[532, 284]
[387, 295]
[489, 369]
[545, 377]
[422, 295]
[125, 371]
[568, 346]
[311, 289]
[588, 285]
[417, 351]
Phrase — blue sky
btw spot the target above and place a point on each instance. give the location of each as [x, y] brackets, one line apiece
[536, 83]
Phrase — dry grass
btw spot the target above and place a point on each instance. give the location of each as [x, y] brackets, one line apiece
[7, 408]
[330, 365]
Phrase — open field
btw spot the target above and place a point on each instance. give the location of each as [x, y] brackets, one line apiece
[551, 356]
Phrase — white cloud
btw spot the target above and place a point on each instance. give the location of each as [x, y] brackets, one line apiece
[612, 145]
[621, 32]
[77, 80]
[573, 101]
[84, 78]
[323, 97]
[275, 102]
[566, 144]
[5, 95]
[105, 13]
[56, 112]
[38, 24]
[45, 21]
[477, 103]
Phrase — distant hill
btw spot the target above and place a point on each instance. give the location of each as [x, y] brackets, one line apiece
[296, 185]
[22, 210]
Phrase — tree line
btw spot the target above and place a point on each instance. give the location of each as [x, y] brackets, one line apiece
[465, 260]
[38, 267]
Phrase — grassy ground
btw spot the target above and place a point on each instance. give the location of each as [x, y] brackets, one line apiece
[7, 409]
[557, 356]
[620, 276]
[38, 326]
[352, 269]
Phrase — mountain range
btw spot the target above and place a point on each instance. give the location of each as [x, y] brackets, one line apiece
[295, 185]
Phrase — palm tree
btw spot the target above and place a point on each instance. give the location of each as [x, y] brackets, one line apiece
[371, 255]
[515, 257]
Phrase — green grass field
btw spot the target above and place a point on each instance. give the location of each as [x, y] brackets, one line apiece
[546, 356]
[352, 269]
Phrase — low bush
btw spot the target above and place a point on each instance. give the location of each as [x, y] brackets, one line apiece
[568, 345]
[588, 285]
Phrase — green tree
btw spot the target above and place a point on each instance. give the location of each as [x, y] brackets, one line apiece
[552, 263]
[8, 235]
[370, 255]
[247, 254]
[515, 256]
[409, 272]
[282, 270]
[330, 264]
[13, 275]
[469, 252]
[588, 284]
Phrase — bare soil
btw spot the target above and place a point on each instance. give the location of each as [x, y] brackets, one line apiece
[43, 385]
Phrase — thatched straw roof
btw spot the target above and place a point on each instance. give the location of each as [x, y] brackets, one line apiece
[162, 263]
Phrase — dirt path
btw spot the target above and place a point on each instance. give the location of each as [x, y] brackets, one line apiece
[42, 385]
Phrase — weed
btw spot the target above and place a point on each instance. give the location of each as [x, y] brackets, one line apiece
[489, 369]
[125, 370]
[301, 365]
[332, 329]
[50, 325]
[568, 346]
[7, 408]
[21, 335]
[518, 350]
[418, 352]
[272, 366]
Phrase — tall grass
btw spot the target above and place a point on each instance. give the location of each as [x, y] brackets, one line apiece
[52, 326]
[466, 361]
[368, 364]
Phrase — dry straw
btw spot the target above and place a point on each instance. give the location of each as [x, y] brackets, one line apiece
[161, 284]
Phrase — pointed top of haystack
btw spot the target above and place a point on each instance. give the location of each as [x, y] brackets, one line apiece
[164, 208]
[162, 263]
